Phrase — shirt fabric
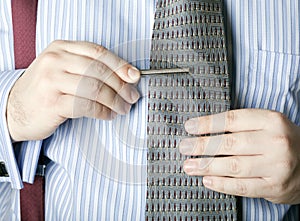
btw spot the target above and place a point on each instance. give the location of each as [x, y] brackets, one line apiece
[98, 169]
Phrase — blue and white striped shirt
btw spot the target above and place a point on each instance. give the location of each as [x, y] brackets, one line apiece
[98, 168]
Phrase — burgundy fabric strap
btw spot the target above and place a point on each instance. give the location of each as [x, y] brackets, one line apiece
[32, 200]
[24, 27]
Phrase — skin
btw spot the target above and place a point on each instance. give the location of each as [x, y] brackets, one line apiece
[258, 157]
[69, 80]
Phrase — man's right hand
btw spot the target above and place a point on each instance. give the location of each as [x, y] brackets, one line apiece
[69, 80]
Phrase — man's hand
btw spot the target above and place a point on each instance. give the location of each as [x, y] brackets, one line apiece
[260, 158]
[69, 80]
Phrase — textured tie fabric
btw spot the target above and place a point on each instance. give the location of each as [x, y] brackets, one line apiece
[32, 200]
[187, 34]
[24, 27]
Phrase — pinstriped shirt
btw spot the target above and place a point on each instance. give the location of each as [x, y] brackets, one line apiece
[98, 168]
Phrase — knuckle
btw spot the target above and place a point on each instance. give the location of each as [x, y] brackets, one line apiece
[280, 186]
[95, 87]
[89, 106]
[50, 57]
[241, 189]
[288, 165]
[283, 141]
[108, 116]
[116, 101]
[98, 50]
[277, 118]
[230, 142]
[234, 165]
[100, 112]
[230, 118]
[101, 109]
[103, 113]
[57, 44]
[100, 68]
[120, 86]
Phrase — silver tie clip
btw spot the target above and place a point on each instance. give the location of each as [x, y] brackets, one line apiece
[165, 71]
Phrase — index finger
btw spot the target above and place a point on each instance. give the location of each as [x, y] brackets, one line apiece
[230, 121]
[123, 69]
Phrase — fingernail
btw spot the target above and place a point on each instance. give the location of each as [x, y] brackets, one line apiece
[191, 126]
[133, 73]
[186, 147]
[189, 166]
[207, 181]
[134, 95]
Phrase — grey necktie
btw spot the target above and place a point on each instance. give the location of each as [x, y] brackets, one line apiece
[190, 35]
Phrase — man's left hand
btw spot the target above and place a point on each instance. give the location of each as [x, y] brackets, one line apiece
[257, 157]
